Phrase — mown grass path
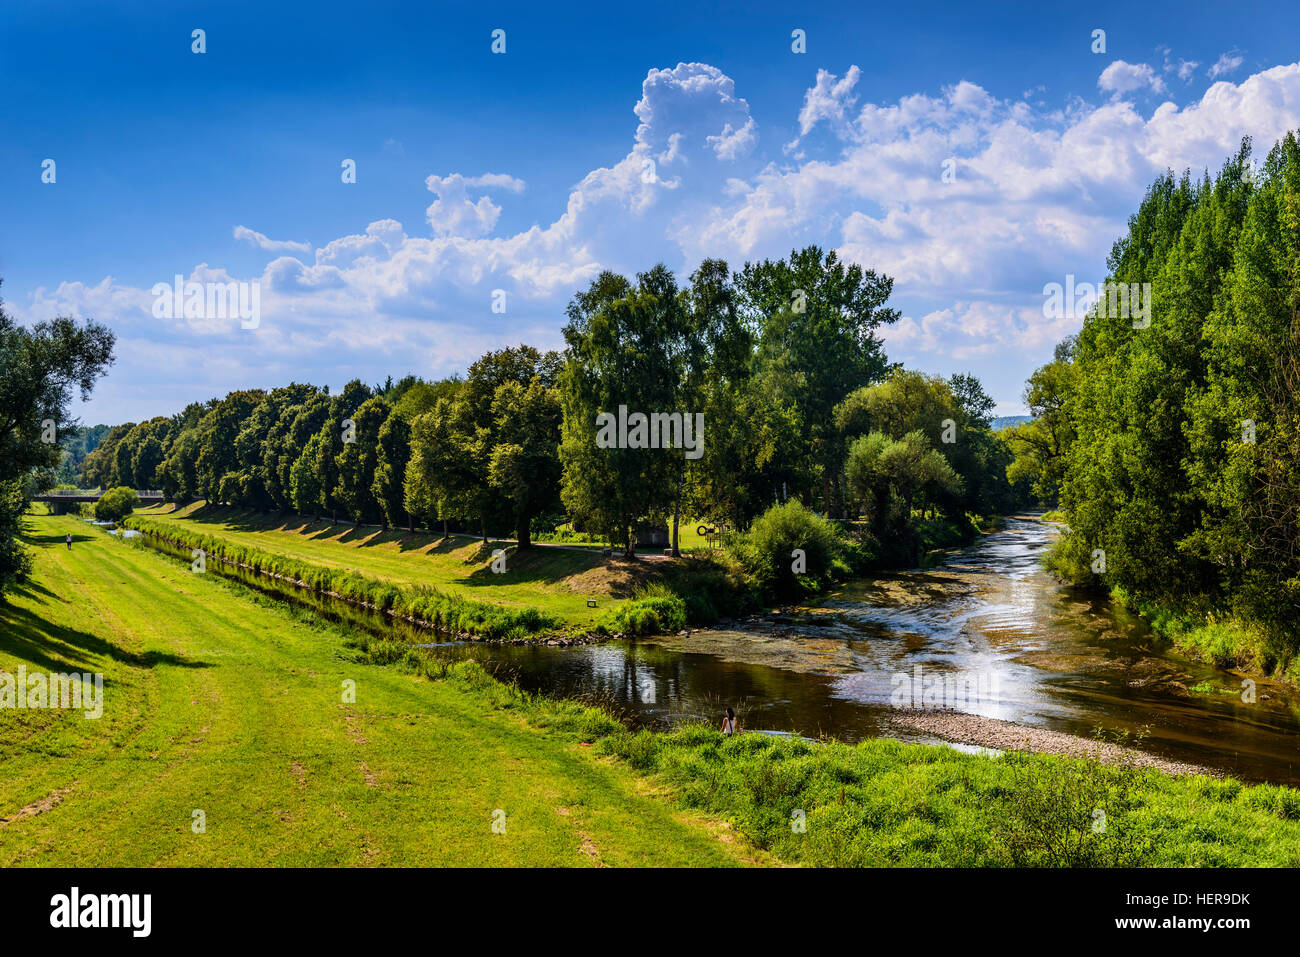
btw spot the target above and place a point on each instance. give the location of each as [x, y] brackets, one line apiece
[219, 701]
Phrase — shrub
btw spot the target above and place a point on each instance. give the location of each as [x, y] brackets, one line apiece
[654, 611]
[116, 504]
[767, 550]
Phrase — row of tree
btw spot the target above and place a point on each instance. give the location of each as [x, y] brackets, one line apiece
[1174, 447]
[779, 361]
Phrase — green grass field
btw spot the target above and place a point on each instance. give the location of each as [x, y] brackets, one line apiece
[554, 580]
[220, 701]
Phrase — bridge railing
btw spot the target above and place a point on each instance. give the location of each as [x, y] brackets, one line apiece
[83, 492]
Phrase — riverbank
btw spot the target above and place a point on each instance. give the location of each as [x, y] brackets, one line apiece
[239, 731]
[579, 595]
[883, 803]
[463, 587]
[1225, 641]
[1222, 640]
[225, 702]
[997, 735]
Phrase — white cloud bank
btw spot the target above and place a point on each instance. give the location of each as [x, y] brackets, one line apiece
[1036, 192]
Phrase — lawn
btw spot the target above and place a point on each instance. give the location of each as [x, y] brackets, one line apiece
[220, 701]
[559, 581]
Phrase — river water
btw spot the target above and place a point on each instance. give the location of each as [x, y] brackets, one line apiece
[1024, 648]
[1027, 650]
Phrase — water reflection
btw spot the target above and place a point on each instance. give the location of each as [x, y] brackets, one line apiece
[990, 619]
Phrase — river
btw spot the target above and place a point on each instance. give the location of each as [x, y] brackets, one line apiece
[1027, 650]
[1032, 652]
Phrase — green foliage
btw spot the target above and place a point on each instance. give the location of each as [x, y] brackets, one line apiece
[39, 368]
[817, 321]
[1042, 444]
[1072, 813]
[653, 611]
[1176, 446]
[485, 453]
[889, 478]
[767, 551]
[116, 504]
[359, 459]
[883, 803]
[15, 563]
[391, 457]
[627, 347]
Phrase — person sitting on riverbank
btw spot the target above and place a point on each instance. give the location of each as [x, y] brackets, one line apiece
[729, 725]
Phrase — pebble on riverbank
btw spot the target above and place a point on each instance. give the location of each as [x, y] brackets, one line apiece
[1009, 736]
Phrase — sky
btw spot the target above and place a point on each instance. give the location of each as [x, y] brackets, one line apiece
[973, 152]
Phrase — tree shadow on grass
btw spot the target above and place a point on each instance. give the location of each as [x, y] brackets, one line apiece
[35, 640]
[38, 540]
[551, 567]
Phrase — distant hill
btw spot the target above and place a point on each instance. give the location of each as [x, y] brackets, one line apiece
[1003, 421]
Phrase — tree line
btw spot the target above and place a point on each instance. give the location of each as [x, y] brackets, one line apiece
[1174, 448]
[781, 361]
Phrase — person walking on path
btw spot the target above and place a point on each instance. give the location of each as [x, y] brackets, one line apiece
[69, 541]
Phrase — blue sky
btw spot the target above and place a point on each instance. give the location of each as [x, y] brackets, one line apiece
[523, 172]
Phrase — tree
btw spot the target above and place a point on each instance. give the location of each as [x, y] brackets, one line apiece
[890, 477]
[180, 481]
[524, 466]
[445, 475]
[116, 504]
[320, 454]
[218, 430]
[1181, 457]
[817, 320]
[304, 478]
[625, 352]
[39, 368]
[486, 451]
[359, 459]
[99, 469]
[1042, 445]
[392, 454]
[284, 446]
[256, 446]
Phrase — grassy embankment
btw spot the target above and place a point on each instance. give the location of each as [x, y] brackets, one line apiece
[545, 590]
[447, 581]
[221, 700]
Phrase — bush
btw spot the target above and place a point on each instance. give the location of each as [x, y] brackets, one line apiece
[767, 550]
[116, 504]
[655, 611]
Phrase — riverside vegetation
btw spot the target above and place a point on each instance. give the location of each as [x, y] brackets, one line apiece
[1170, 450]
[411, 772]
[1174, 447]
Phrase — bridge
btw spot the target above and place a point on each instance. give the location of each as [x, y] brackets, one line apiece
[67, 496]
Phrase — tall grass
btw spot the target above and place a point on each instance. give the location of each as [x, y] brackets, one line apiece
[887, 803]
[654, 610]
